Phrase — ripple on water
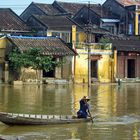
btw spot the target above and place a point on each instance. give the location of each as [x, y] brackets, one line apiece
[122, 120]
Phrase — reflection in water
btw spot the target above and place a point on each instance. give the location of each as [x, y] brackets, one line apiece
[80, 92]
[116, 111]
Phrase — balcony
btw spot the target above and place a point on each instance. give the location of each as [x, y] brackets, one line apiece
[95, 46]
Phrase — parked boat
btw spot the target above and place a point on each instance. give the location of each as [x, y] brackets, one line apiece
[33, 119]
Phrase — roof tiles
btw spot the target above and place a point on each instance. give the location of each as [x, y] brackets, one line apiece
[128, 2]
[56, 22]
[50, 45]
[125, 43]
[47, 8]
[10, 21]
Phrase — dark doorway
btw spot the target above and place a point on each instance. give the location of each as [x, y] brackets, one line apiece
[50, 73]
[131, 68]
[94, 73]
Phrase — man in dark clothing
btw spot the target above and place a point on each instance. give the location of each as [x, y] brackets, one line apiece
[84, 108]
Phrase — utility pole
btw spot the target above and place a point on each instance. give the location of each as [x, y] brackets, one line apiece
[88, 32]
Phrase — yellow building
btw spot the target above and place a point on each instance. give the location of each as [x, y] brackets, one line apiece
[2, 59]
[101, 64]
[101, 60]
[51, 46]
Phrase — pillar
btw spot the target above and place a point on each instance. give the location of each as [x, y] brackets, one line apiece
[58, 70]
[136, 23]
[6, 72]
[115, 64]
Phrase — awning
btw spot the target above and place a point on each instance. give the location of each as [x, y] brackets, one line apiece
[110, 20]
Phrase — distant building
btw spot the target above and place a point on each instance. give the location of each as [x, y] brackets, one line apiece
[126, 58]
[51, 46]
[128, 13]
[73, 22]
[10, 23]
[39, 9]
[56, 26]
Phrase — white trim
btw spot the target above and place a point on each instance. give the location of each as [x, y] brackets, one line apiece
[110, 20]
[99, 53]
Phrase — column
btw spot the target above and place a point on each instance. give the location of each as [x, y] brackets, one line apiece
[6, 72]
[136, 23]
[115, 64]
[58, 70]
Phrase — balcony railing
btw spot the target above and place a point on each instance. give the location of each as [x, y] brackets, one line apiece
[96, 46]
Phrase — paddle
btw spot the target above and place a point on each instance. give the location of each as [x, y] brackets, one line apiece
[90, 116]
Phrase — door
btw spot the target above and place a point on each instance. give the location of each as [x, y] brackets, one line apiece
[131, 68]
[94, 73]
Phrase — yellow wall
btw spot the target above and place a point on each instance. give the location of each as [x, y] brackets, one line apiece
[81, 67]
[2, 49]
[73, 33]
[105, 66]
[82, 37]
[2, 42]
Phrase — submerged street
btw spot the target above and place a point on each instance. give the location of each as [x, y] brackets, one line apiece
[116, 110]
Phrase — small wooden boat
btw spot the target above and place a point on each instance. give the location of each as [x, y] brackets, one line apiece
[33, 119]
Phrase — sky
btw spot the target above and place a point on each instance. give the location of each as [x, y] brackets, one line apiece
[18, 6]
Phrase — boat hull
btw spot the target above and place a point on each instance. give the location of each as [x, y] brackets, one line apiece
[30, 119]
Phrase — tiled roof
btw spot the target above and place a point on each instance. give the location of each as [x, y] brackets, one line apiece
[102, 11]
[100, 31]
[50, 45]
[9, 21]
[73, 8]
[81, 17]
[68, 7]
[98, 9]
[128, 2]
[47, 8]
[125, 43]
[62, 23]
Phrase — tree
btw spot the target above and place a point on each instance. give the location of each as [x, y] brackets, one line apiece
[33, 58]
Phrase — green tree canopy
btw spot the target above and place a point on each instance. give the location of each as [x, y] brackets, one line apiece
[33, 58]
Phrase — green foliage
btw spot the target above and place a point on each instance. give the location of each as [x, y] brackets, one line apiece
[104, 40]
[104, 43]
[33, 58]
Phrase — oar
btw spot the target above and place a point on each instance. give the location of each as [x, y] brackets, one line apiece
[90, 116]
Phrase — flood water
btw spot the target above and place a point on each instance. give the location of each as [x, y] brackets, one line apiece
[116, 110]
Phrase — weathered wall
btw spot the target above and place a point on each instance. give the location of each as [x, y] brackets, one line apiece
[2, 58]
[105, 68]
[2, 49]
[81, 66]
[67, 68]
[122, 66]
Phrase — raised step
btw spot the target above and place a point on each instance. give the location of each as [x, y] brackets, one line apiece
[130, 80]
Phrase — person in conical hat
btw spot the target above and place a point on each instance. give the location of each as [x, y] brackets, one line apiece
[84, 108]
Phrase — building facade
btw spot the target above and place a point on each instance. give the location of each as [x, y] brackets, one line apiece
[126, 58]
[51, 46]
[128, 14]
[101, 63]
